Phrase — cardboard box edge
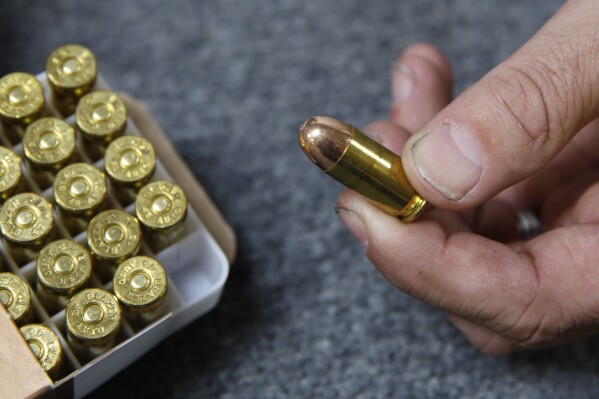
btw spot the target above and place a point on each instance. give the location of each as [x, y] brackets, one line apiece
[22, 376]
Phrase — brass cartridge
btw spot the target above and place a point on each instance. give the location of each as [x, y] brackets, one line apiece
[26, 222]
[71, 71]
[21, 102]
[10, 173]
[140, 284]
[101, 116]
[79, 192]
[113, 236]
[161, 207]
[361, 164]
[15, 297]
[48, 145]
[45, 345]
[93, 319]
[63, 267]
[130, 162]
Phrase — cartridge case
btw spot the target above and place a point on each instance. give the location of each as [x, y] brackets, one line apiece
[48, 145]
[101, 116]
[15, 297]
[79, 191]
[63, 267]
[113, 236]
[93, 319]
[21, 102]
[26, 222]
[71, 71]
[161, 208]
[361, 164]
[45, 345]
[10, 173]
[386, 183]
[130, 162]
[140, 284]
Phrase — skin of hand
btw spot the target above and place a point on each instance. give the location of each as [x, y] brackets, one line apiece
[525, 136]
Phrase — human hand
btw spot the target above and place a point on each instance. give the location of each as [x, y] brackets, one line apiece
[525, 137]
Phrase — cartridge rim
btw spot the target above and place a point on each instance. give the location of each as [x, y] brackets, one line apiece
[21, 97]
[161, 205]
[101, 115]
[114, 235]
[130, 160]
[26, 219]
[140, 283]
[44, 344]
[15, 296]
[10, 172]
[71, 66]
[49, 143]
[79, 188]
[64, 266]
[93, 316]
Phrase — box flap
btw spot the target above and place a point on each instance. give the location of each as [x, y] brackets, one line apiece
[20, 373]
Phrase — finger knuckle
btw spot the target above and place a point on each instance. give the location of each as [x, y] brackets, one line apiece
[538, 100]
[521, 103]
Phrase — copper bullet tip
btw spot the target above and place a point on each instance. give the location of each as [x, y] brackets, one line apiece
[325, 140]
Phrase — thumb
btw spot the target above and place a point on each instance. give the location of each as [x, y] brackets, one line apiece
[514, 120]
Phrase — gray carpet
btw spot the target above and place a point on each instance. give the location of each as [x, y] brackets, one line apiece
[304, 315]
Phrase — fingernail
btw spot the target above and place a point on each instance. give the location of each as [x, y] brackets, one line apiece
[403, 82]
[448, 160]
[354, 224]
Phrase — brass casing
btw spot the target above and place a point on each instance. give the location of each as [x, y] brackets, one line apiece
[140, 283]
[93, 319]
[10, 173]
[114, 236]
[49, 143]
[101, 116]
[45, 346]
[21, 99]
[161, 208]
[15, 296]
[26, 219]
[80, 189]
[130, 161]
[63, 267]
[375, 172]
[71, 71]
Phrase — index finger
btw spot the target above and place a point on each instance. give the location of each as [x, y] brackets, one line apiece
[545, 287]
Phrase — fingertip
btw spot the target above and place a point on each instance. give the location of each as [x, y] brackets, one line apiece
[443, 189]
[377, 223]
[346, 199]
[421, 86]
[392, 244]
[351, 200]
[358, 215]
[432, 54]
[388, 134]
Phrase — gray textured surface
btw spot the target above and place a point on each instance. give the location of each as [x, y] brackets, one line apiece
[304, 315]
